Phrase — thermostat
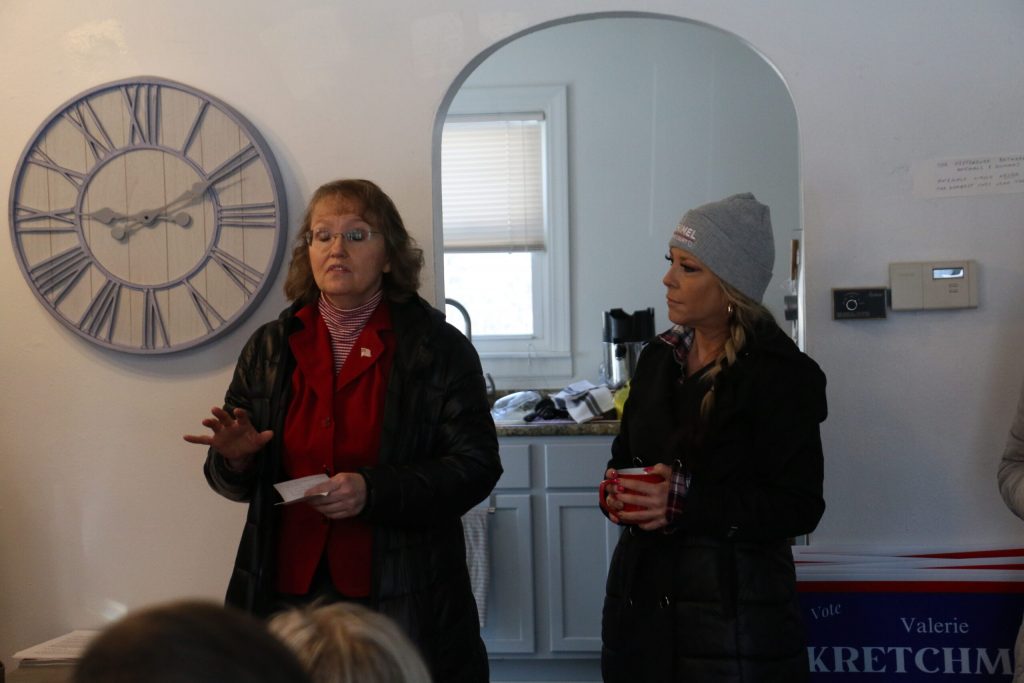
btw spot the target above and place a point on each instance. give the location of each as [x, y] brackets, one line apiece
[933, 284]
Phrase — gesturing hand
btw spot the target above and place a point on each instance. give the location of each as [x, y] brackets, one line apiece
[233, 436]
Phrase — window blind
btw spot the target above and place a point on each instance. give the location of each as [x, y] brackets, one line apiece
[492, 182]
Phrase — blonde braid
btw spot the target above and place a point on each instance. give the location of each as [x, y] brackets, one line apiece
[746, 314]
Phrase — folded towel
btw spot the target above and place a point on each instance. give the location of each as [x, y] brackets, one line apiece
[478, 559]
[585, 401]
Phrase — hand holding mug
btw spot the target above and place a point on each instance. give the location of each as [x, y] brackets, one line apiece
[637, 495]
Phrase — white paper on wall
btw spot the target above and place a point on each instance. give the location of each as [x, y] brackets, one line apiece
[962, 177]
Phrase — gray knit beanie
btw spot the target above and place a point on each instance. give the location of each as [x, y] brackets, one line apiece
[732, 237]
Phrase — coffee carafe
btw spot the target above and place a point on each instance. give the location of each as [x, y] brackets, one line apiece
[624, 335]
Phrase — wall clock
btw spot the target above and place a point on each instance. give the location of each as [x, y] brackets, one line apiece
[147, 216]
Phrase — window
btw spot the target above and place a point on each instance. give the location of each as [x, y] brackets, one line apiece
[505, 226]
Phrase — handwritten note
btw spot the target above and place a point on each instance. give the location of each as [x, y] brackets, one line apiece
[962, 177]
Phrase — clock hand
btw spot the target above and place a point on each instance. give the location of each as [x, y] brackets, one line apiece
[147, 217]
[182, 219]
[120, 232]
[195, 192]
[108, 216]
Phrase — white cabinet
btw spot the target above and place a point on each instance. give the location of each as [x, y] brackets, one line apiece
[510, 619]
[550, 547]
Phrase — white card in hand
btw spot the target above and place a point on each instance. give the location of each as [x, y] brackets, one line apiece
[293, 490]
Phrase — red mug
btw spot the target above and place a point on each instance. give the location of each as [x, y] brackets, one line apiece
[637, 473]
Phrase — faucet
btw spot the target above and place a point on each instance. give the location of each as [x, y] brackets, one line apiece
[492, 390]
[465, 316]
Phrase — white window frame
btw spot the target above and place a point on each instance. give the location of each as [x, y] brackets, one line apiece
[548, 352]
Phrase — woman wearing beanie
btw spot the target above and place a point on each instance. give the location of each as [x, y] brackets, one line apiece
[725, 409]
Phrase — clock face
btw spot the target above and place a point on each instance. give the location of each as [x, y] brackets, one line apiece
[148, 216]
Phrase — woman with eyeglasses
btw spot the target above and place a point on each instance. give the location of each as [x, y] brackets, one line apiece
[362, 382]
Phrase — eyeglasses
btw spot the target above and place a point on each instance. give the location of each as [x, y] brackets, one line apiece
[323, 239]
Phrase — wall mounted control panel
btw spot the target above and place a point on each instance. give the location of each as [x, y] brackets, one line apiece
[933, 284]
[864, 302]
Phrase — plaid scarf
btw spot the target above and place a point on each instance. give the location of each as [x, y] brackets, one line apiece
[680, 338]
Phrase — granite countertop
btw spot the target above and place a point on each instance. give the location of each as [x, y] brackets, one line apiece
[561, 427]
[558, 428]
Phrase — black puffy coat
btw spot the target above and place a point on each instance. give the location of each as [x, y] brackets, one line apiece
[714, 598]
[438, 458]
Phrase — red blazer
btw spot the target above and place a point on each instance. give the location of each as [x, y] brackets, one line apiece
[333, 425]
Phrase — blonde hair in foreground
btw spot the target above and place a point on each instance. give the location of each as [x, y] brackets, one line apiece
[348, 643]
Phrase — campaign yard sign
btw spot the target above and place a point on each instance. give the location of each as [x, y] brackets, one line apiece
[948, 618]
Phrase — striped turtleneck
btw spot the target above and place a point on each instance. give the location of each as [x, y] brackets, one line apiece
[344, 326]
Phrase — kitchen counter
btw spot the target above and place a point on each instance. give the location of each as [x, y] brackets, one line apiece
[558, 428]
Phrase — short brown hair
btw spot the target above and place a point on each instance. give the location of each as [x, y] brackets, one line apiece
[377, 209]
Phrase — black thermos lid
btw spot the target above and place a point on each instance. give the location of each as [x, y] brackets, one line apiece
[643, 324]
[620, 326]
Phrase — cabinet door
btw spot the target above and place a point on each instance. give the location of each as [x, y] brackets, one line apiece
[509, 627]
[580, 544]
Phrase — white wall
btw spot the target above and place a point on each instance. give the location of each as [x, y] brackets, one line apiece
[102, 504]
[663, 116]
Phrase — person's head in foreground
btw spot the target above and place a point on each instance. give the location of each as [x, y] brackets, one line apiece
[188, 641]
[347, 643]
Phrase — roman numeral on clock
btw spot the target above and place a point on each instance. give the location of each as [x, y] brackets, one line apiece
[42, 159]
[102, 312]
[153, 322]
[242, 274]
[83, 117]
[58, 274]
[233, 165]
[204, 308]
[24, 215]
[143, 102]
[194, 128]
[248, 216]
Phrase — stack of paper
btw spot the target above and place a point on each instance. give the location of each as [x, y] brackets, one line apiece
[66, 649]
[874, 563]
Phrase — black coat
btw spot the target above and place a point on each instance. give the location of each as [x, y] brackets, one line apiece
[714, 598]
[438, 458]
